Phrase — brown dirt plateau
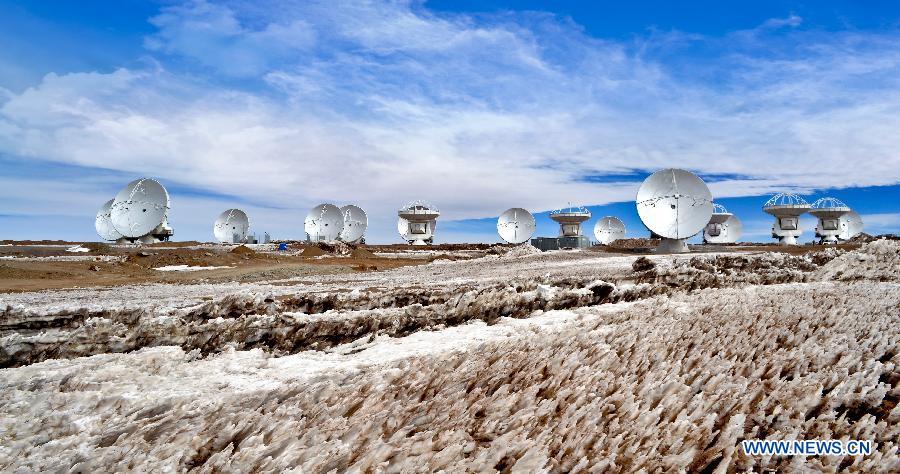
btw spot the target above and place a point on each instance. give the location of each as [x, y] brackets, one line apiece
[137, 264]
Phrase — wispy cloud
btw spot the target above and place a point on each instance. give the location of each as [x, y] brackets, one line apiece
[883, 223]
[383, 102]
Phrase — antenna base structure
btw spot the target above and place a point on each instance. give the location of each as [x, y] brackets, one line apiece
[672, 246]
[785, 239]
[787, 209]
[416, 222]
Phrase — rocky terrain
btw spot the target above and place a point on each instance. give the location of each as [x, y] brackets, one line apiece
[501, 360]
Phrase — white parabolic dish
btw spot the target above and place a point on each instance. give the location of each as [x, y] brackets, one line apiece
[609, 229]
[103, 223]
[515, 225]
[733, 229]
[324, 223]
[139, 208]
[355, 223]
[232, 226]
[674, 203]
[851, 225]
[403, 228]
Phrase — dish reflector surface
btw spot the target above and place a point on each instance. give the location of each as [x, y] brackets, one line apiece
[728, 231]
[674, 203]
[103, 224]
[324, 223]
[403, 228]
[609, 229]
[139, 208]
[232, 226]
[735, 228]
[851, 225]
[355, 223]
[515, 225]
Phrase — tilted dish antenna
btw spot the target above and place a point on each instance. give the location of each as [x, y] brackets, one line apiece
[723, 227]
[417, 221]
[515, 225]
[787, 209]
[140, 209]
[324, 223]
[355, 224]
[103, 223]
[851, 225]
[674, 204]
[232, 227]
[609, 229]
[829, 212]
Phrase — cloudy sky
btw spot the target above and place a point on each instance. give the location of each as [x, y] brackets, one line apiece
[475, 106]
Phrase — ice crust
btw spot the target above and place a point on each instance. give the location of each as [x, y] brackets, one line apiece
[878, 260]
[506, 363]
[665, 383]
[393, 303]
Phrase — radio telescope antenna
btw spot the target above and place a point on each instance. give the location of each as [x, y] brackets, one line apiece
[787, 209]
[570, 219]
[723, 227]
[829, 211]
[851, 225]
[140, 209]
[355, 224]
[104, 225]
[515, 225]
[609, 229]
[324, 223]
[417, 221]
[232, 227]
[674, 204]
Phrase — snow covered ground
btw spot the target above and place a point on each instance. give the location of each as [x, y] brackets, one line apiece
[564, 362]
[187, 268]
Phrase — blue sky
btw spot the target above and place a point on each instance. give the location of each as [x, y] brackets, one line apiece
[476, 106]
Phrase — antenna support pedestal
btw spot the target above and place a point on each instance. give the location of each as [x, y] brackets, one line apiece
[672, 246]
[789, 239]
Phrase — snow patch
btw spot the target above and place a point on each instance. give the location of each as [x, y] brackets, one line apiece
[187, 268]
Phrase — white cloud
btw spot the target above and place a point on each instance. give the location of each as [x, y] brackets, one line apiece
[883, 223]
[211, 34]
[383, 103]
[792, 21]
